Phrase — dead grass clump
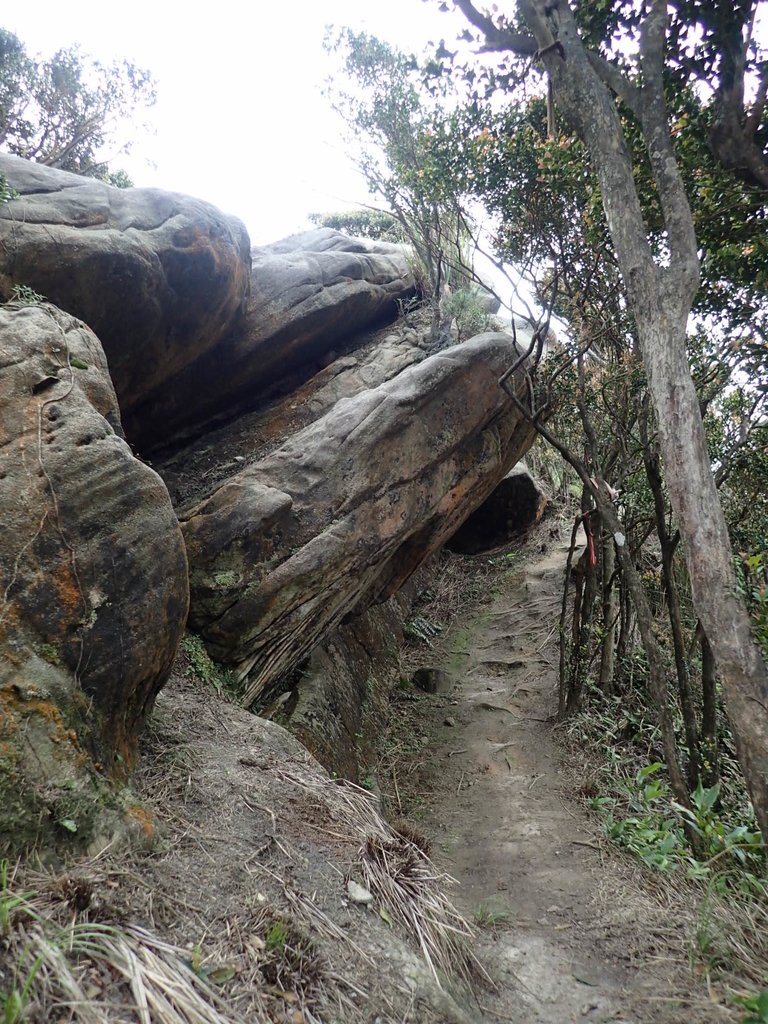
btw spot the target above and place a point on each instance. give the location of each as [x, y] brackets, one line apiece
[729, 935]
[408, 887]
[403, 881]
[55, 966]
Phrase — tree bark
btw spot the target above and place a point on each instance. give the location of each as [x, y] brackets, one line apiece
[667, 544]
[709, 744]
[610, 613]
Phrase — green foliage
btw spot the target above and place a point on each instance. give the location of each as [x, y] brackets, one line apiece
[465, 307]
[215, 974]
[395, 126]
[752, 574]
[491, 912]
[643, 817]
[13, 906]
[378, 225]
[117, 179]
[205, 668]
[11, 903]
[23, 295]
[65, 110]
[6, 192]
[422, 629]
[756, 1007]
[276, 937]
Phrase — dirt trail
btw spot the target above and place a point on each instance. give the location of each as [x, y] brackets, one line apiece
[559, 926]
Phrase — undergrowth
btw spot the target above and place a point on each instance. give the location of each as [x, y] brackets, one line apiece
[218, 678]
[711, 855]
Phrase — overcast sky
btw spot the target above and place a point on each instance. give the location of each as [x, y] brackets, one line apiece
[240, 119]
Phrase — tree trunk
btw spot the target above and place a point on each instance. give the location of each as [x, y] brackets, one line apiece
[610, 613]
[709, 744]
[563, 687]
[667, 543]
[707, 550]
[660, 299]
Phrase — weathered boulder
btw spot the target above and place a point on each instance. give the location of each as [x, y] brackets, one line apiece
[310, 294]
[341, 701]
[93, 578]
[514, 506]
[193, 471]
[160, 277]
[343, 512]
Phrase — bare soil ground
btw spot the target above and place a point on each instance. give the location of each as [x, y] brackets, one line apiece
[569, 929]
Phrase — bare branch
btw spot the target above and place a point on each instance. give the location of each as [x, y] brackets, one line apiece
[618, 83]
[669, 182]
[495, 37]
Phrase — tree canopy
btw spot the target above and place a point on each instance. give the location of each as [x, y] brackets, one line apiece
[68, 110]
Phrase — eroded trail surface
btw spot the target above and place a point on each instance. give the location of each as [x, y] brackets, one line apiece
[564, 928]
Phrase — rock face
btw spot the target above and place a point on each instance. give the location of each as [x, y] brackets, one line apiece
[164, 281]
[194, 471]
[160, 277]
[342, 700]
[310, 293]
[342, 513]
[514, 506]
[93, 576]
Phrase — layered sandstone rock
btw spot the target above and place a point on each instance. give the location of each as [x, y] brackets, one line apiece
[311, 294]
[344, 511]
[93, 578]
[160, 277]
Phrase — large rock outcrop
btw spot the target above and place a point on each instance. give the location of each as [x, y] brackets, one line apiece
[515, 506]
[160, 277]
[93, 578]
[193, 471]
[310, 295]
[343, 512]
[163, 279]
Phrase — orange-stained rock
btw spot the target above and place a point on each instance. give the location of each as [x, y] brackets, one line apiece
[93, 576]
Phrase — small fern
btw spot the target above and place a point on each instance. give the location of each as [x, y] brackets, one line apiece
[419, 628]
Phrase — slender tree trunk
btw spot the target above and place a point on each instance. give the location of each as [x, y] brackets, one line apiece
[626, 622]
[653, 475]
[660, 299]
[610, 612]
[564, 644]
[657, 674]
[708, 554]
[709, 745]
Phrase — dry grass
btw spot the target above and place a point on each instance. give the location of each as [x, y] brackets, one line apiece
[461, 584]
[68, 955]
[56, 966]
[406, 885]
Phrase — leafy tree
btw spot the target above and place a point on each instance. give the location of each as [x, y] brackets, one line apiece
[394, 124]
[65, 110]
[378, 225]
[610, 68]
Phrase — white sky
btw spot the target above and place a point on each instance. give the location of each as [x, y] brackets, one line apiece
[240, 118]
